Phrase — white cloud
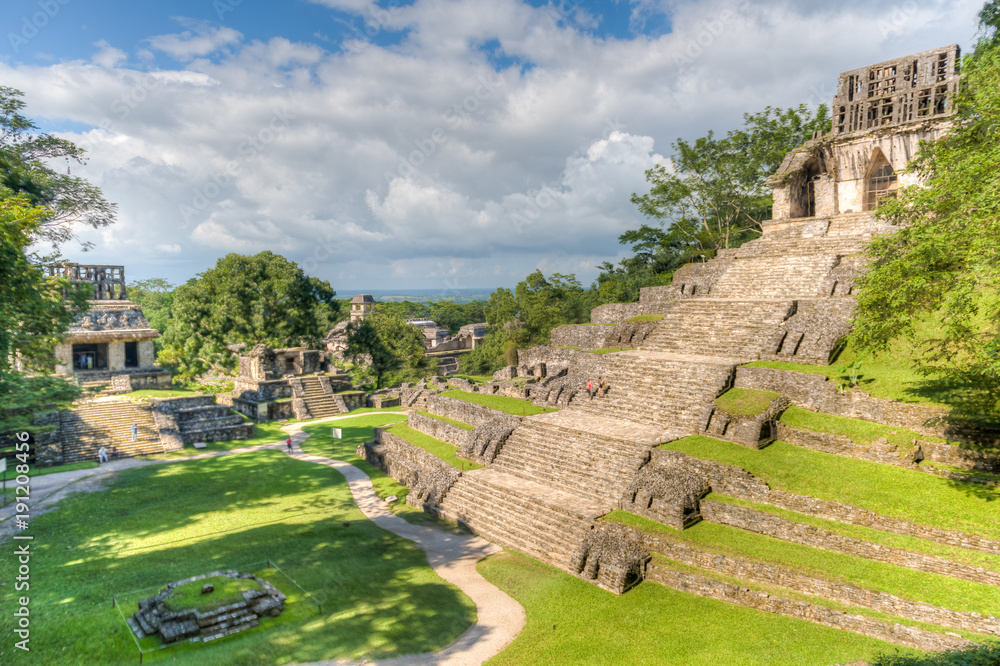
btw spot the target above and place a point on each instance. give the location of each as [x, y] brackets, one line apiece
[108, 56]
[200, 41]
[285, 146]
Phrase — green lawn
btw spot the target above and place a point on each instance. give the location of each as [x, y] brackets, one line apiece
[746, 402]
[457, 424]
[934, 589]
[571, 621]
[501, 403]
[356, 432]
[442, 450]
[159, 524]
[227, 591]
[887, 490]
[475, 378]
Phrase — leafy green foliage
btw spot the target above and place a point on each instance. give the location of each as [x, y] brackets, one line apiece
[714, 195]
[65, 199]
[251, 300]
[154, 296]
[945, 257]
[392, 350]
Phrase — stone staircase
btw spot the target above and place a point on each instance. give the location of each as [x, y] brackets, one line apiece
[320, 403]
[762, 277]
[518, 513]
[583, 455]
[107, 422]
[718, 327]
[658, 388]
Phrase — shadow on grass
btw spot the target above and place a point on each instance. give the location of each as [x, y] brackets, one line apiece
[156, 525]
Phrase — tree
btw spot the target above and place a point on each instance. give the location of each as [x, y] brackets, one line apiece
[155, 297]
[944, 261]
[713, 193]
[65, 199]
[263, 299]
[36, 204]
[393, 349]
[35, 313]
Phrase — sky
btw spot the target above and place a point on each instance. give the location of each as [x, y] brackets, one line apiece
[415, 144]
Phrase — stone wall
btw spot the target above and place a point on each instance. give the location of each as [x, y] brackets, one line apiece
[484, 444]
[438, 429]
[48, 443]
[428, 477]
[460, 410]
[666, 491]
[622, 336]
[616, 313]
[612, 556]
[898, 634]
[787, 530]
[753, 432]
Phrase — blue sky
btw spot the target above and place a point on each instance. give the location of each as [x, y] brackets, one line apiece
[422, 144]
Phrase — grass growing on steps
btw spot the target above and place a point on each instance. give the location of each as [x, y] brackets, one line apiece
[442, 450]
[644, 319]
[965, 556]
[500, 402]
[269, 432]
[145, 395]
[746, 402]
[606, 351]
[891, 491]
[458, 424]
[571, 621]
[162, 523]
[794, 595]
[931, 588]
[857, 430]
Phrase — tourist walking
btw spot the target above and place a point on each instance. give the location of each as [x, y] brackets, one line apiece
[590, 389]
[288, 443]
[135, 432]
[102, 455]
[600, 387]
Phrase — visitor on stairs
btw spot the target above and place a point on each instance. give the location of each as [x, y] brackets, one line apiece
[114, 453]
[601, 387]
[590, 389]
[102, 455]
[135, 432]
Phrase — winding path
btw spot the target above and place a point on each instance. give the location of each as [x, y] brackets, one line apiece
[499, 618]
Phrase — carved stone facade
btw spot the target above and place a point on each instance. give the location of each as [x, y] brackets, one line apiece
[881, 113]
[112, 338]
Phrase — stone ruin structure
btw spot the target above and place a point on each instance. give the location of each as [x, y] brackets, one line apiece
[111, 343]
[155, 616]
[290, 383]
[787, 296]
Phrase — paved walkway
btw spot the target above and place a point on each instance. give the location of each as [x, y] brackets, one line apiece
[499, 618]
[453, 556]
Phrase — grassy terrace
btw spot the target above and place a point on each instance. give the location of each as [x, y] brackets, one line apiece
[971, 557]
[571, 621]
[500, 402]
[900, 581]
[857, 430]
[457, 424]
[746, 402]
[443, 450]
[891, 491]
[645, 319]
[162, 523]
